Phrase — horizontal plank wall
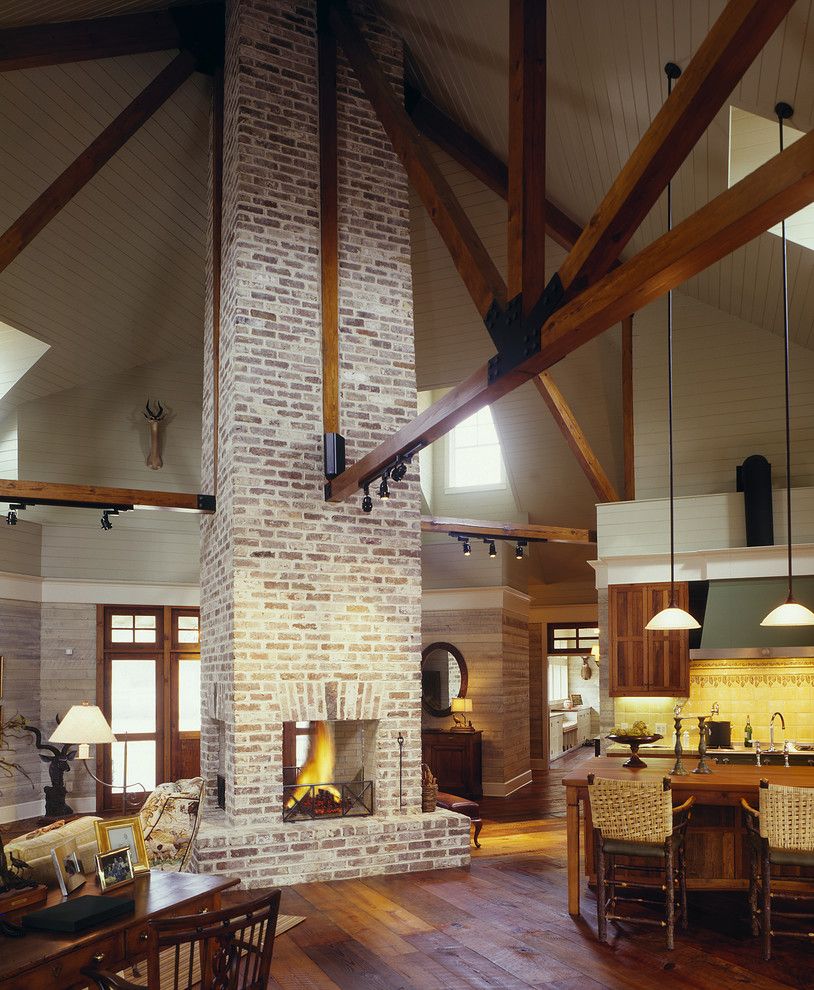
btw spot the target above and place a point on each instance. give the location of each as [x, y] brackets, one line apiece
[20, 645]
[8, 446]
[728, 383]
[21, 548]
[489, 626]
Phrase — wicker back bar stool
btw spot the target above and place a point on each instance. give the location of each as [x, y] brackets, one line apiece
[781, 833]
[637, 818]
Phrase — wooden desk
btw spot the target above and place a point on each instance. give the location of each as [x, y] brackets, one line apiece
[46, 961]
[717, 857]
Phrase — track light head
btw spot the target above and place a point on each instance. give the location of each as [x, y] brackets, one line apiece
[399, 470]
[367, 501]
[384, 491]
[492, 549]
[11, 517]
[105, 520]
[467, 548]
[519, 551]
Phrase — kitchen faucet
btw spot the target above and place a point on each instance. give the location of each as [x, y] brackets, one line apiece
[771, 730]
[758, 762]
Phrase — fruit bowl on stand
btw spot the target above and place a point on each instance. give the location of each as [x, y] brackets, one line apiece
[634, 742]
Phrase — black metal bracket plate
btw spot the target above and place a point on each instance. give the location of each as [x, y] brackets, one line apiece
[517, 339]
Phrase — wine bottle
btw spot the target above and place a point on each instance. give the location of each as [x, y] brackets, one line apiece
[747, 734]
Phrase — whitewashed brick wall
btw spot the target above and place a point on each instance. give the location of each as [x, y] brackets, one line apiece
[299, 595]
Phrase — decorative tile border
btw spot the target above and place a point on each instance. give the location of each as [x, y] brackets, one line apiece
[751, 673]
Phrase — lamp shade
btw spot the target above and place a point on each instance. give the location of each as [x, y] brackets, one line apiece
[672, 618]
[85, 724]
[790, 613]
[461, 705]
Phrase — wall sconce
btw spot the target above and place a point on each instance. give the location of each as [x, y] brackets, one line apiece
[461, 707]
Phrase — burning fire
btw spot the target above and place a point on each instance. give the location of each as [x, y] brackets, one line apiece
[319, 766]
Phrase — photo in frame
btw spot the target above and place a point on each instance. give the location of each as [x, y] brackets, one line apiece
[117, 832]
[576, 700]
[68, 866]
[114, 868]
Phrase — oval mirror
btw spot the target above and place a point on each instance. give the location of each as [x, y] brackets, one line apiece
[443, 677]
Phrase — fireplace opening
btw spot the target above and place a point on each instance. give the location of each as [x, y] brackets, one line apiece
[328, 769]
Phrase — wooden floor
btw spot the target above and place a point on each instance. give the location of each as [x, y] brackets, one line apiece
[502, 923]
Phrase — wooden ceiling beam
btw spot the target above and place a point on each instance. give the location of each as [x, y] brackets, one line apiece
[82, 169]
[88, 496]
[779, 188]
[106, 37]
[475, 266]
[575, 438]
[734, 41]
[519, 531]
[476, 158]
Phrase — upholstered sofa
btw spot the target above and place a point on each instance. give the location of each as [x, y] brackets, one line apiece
[169, 820]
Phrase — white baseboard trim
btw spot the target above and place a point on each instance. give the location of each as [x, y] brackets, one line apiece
[15, 812]
[497, 789]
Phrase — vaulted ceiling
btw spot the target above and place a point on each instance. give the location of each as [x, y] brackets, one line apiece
[116, 280]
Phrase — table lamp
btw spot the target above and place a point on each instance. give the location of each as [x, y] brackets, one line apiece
[84, 726]
[460, 707]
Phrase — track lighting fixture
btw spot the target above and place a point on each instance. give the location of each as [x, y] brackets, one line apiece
[384, 491]
[467, 548]
[105, 520]
[492, 549]
[11, 517]
[518, 550]
[367, 501]
[399, 470]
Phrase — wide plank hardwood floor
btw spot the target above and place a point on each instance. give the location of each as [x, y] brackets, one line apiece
[503, 923]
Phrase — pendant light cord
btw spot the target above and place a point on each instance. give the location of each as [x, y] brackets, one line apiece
[671, 71]
[784, 110]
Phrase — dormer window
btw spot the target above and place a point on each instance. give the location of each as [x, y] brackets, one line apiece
[474, 461]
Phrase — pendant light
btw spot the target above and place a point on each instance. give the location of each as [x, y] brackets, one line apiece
[671, 617]
[790, 613]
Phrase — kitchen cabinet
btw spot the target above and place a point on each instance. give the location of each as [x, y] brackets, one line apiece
[583, 725]
[455, 760]
[644, 661]
[555, 735]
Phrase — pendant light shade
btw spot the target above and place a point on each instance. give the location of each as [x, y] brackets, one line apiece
[790, 613]
[671, 617]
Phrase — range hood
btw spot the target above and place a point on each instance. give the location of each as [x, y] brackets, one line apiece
[730, 613]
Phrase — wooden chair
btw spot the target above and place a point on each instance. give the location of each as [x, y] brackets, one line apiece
[223, 950]
[781, 834]
[637, 818]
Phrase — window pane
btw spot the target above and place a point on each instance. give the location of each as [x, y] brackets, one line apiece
[474, 453]
[189, 696]
[121, 635]
[145, 622]
[187, 635]
[121, 621]
[589, 633]
[132, 696]
[145, 635]
[187, 621]
[140, 765]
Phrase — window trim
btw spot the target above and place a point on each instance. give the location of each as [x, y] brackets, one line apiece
[570, 651]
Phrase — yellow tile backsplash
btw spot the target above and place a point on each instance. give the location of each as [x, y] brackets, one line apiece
[741, 687]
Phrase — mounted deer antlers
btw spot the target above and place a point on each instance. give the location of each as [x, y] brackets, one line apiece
[154, 460]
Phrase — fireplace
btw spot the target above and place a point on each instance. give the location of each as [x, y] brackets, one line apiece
[328, 769]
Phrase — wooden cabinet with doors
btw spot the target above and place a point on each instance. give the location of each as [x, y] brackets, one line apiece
[645, 661]
[148, 686]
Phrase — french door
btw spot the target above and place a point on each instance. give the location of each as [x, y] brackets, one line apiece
[148, 683]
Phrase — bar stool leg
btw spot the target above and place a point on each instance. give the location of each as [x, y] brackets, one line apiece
[669, 891]
[766, 884]
[601, 918]
[753, 885]
[682, 886]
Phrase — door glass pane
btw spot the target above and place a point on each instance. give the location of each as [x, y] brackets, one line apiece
[132, 695]
[189, 696]
[140, 764]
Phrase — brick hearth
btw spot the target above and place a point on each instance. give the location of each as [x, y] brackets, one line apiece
[309, 610]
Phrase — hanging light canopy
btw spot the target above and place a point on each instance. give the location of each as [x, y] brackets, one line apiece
[790, 613]
[671, 617]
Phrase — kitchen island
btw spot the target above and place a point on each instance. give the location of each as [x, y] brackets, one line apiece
[717, 852]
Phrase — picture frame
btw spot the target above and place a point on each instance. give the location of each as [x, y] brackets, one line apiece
[114, 868]
[576, 700]
[68, 866]
[114, 833]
